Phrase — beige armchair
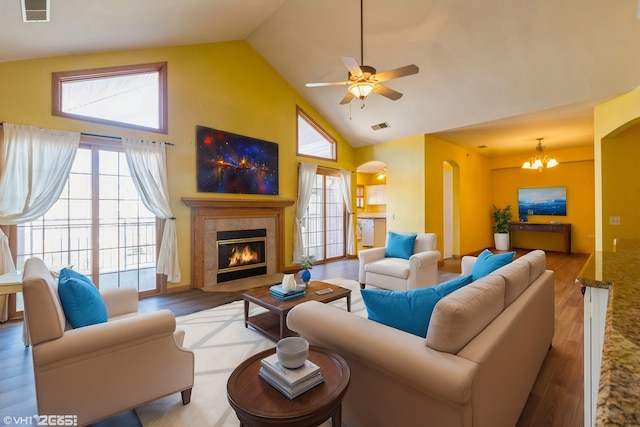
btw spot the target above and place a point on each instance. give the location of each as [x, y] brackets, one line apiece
[399, 274]
[101, 370]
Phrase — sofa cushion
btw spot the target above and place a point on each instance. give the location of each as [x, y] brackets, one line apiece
[516, 279]
[488, 262]
[425, 242]
[463, 314]
[400, 245]
[537, 262]
[409, 311]
[395, 267]
[81, 300]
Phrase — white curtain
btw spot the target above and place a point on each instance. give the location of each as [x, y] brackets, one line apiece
[36, 165]
[6, 266]
[306, 177]
[147, 162]
[36, 168]
[348, 201]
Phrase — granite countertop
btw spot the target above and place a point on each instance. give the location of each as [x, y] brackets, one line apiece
[619, 389]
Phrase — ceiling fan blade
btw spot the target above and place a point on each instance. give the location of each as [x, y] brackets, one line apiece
[347, 98]
[327, 84]
[393, 95]
[352, 66]
[407, 70]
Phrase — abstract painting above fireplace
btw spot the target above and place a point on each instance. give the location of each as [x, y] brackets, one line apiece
[230, 163]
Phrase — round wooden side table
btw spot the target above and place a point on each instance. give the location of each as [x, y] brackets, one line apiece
[259, 404]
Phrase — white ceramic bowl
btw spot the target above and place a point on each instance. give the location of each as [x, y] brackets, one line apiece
[292, 351]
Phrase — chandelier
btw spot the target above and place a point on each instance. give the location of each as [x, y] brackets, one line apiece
[540, 160]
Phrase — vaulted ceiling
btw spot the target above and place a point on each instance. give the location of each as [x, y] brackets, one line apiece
[498, 73]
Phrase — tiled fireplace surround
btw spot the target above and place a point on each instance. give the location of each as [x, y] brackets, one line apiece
[208, 216]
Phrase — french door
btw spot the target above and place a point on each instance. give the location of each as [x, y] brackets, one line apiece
[323, 230]
[99, 225]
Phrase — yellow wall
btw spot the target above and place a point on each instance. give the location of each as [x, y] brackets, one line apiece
[620, 185]
[611, 142]
[474, 194]
[227, 86]
[574, 172]
[405, 181]
[415, 193]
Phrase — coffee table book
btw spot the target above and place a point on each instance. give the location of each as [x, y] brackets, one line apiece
[279, 292]
[290, 377]
[290, 382]
[290, 392]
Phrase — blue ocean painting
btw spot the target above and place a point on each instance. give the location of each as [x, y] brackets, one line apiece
[542, 201]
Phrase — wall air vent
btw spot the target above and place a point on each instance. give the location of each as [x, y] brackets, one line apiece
[36, 10]
[379, 126]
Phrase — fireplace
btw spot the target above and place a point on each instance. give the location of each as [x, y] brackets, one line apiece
[241, 253]
[213, 218]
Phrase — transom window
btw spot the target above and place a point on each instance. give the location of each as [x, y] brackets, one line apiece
[129, 96]
[313, 141]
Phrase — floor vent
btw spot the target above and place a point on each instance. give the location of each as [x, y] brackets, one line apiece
[36, 10]
[379, 126]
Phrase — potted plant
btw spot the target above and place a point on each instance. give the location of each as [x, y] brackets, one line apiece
[306, 262]
[501, 218]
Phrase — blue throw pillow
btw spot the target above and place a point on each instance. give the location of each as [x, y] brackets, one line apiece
[488, 262]
[400, 245]
[81, 300]
[409, 311]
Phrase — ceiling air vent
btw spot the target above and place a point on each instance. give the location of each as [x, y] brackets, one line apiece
[379, 126]
[36, 10]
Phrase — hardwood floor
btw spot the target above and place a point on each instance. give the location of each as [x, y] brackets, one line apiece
[556, 398]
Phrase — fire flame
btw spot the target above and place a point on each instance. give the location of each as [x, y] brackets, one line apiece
[243, 256]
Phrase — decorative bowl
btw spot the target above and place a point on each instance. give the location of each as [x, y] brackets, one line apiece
[292, 352]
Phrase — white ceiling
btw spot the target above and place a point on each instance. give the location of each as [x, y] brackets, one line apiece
[498, 73]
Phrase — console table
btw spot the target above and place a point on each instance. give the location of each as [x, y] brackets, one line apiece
[544, 227]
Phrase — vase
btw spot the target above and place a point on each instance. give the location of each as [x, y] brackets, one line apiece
[305, 276]
[501, 241]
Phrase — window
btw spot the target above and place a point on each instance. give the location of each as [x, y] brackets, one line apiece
[313, 141]
[129, 96]
[99, 225]
[323, 229]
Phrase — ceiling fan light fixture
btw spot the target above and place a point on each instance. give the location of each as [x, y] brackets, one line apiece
[361, 89]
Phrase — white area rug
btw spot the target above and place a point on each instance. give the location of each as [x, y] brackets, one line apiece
[220, 343]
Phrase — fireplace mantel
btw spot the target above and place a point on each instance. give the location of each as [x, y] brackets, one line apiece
[207, 211]
[194, 202]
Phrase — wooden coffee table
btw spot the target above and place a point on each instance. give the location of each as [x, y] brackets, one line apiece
[273, 323]
[258, 404]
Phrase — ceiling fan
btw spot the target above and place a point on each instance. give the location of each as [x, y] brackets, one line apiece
[364, 79]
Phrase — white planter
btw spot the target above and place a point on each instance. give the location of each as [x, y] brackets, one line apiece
[502, 241]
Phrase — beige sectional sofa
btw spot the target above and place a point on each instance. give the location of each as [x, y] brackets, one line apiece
[484, 348]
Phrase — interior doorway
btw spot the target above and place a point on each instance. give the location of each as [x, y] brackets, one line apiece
[450, 210]
[371, 204]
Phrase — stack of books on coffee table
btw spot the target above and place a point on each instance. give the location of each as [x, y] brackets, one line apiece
[290, 382]
[279, 292]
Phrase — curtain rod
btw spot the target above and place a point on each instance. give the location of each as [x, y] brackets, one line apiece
[327, 167]
[95, 135]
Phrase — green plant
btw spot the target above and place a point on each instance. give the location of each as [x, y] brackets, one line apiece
[501, 218]
[307, 261]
